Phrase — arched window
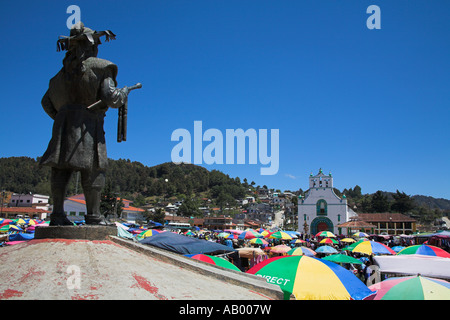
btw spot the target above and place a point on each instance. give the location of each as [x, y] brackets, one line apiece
[321, 207]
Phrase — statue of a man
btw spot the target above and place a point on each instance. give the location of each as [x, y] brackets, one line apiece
[78, 139]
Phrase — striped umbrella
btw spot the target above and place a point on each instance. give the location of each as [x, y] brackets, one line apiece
[360, 234]
[266, 233]
[353, 245]
[296, 241]
[213, 260]
[425, 249]
[412, 288]
[249, 234]
[279, 235]
[302, 251]
[329, 241]
[223, 234]
[327, 234]
[372, 247]
[147, 233]
[342, 258]
[310, 278]
[282, 248]
[258, 241]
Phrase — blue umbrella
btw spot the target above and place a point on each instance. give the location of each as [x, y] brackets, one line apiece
[397, 248]
[326, 249]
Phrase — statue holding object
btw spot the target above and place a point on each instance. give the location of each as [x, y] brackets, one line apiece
[77, 100]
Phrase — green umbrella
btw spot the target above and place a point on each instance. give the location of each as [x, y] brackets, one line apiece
[342, 258]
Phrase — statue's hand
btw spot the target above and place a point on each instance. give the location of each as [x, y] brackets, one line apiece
[125, 90]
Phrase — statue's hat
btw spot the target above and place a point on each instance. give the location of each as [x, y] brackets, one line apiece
[79, 32]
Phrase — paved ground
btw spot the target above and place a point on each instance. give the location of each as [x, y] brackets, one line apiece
[49, 269]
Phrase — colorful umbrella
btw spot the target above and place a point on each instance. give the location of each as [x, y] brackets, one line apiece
[329, 241]
[19, 221]
[279, 235]
[353, 245]
[282, 248]
[372, 247]
[223, 234]
[342, 258]
[398, 248]
[266, 233]
[232, 236]
[425, 249]
[189, 234]
[327, 234]
[302, 251]
[326, 249]
[412, 288]
[6, 221]
[258, 241]
[348, 240]
[295, 241]
[249, 234]
[360, 234]
[10, 228]
[214, 260]
[147, 233]
[310, 278]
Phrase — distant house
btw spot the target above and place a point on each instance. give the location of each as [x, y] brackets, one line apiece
[38, 201]
[24, 212]
[219, 223]
[75, 208]
[27, 205]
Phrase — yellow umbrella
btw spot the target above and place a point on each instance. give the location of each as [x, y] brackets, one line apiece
[348, 240]
[19, 221]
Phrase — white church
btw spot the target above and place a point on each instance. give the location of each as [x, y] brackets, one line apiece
[321, 209]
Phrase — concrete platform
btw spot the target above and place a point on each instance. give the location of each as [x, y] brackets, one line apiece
[84, 232]
[117, 269]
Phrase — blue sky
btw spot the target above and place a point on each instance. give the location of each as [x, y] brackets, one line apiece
[371, 106]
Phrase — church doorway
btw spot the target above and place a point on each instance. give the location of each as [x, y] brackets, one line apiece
[321, 224]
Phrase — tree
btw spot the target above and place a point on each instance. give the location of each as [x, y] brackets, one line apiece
[189, 208]
[402, 202]
[157, 216]
[109, 203]
[380, 202]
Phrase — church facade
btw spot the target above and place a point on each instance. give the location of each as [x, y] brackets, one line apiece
[321, 209]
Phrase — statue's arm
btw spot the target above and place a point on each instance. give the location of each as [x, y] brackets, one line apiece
[113, 97]
[48, 106]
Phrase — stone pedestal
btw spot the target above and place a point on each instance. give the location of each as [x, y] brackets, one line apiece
[86, 232]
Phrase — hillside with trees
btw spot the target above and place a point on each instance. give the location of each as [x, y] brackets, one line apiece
[135, 181]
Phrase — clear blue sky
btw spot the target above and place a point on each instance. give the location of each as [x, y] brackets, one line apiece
[371, 106]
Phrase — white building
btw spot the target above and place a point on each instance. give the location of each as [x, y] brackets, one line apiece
[37, 201]
[75, 209]
[321, 209]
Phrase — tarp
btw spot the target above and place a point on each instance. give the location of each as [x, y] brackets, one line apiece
[185, 245]
[21, 237]
[414, 264]
[124, 233]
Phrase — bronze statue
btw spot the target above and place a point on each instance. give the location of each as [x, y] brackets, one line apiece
[77, 100]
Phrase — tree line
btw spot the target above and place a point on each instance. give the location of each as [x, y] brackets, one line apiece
[135, 181]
